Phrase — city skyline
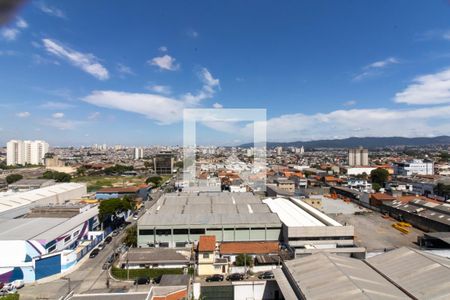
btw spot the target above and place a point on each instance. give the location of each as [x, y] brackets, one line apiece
[78, 77]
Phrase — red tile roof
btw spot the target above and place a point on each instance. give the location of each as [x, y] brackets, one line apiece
[249, 248]
[382, 197]
[207, 243]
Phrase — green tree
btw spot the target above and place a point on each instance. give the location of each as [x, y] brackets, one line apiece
[376, 186]
[178, 165]
[244, 260]
[13, 178]
[57, 176]
[81, 171]
[131, 236]
[113, 206]
[379, 176]
[117, 169]
[156, 180]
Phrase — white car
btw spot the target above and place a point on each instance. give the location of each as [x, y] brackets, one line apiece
[18, 284]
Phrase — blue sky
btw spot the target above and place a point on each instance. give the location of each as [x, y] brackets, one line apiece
[121, 72]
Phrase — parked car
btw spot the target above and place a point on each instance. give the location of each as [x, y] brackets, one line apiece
[215, 277]
[110, 259]
[108, 239]
[266, 275]
[101, 246]
[18, 283]
[94, 253]
[157, 280]
[235, 277]
[142, 280]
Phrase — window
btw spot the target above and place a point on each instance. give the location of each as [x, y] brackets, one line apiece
[205, 255]
[75, 233]
[146, 232]
[197, 231]
[52, 248]
[180, 244]
[180, 231]
[163, 231]
[163, 245]
[67, 238]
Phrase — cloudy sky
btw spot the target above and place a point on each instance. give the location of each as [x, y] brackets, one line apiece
[121, 72]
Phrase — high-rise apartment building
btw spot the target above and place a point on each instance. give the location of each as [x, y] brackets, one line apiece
[25, 152]
[358, 157]
[138, 153]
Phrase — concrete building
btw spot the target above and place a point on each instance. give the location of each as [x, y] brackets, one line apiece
[179, 219]
[14, 205]
[426, 215]
[25, 152]
[414, 167]
[24, 185]
[42, 244]
[285, 184]
[358, 157]
[138, 153]
[163, 163]
[307, 230]
[209, 261]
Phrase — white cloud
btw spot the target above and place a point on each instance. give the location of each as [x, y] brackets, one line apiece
[165, 62]
[217, 105]
[162, 109]
[21, 23]
[192, 33]
[362, 123]
[124, 69]
[349, 103]
[23, 114]
[56, 105]
[85, 61]
[208, 89]
[375, 68]
[58, 115]
[434, 34]
[163, 49]
[11, 33]
[51, 10]
[94, 116]
[427, 89]
[160, 89]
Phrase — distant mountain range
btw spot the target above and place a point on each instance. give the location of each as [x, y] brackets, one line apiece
[367, 142]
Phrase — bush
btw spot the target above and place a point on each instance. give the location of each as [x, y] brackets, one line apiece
[13, 178]
[121, 274]
[10, 297]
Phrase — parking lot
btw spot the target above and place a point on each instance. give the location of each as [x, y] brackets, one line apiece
[376, 233]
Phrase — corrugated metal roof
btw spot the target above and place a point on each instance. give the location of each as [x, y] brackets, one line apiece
[291, 214]
[243, 209]
[19, 199]
[329, 276]
[424, 275]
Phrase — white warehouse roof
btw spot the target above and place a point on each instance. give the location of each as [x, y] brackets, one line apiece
[52, 193]
[291, 214]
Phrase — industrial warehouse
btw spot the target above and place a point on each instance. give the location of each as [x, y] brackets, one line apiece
[308, 230]
[403, 273]
[178, 220]
[13, 205]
